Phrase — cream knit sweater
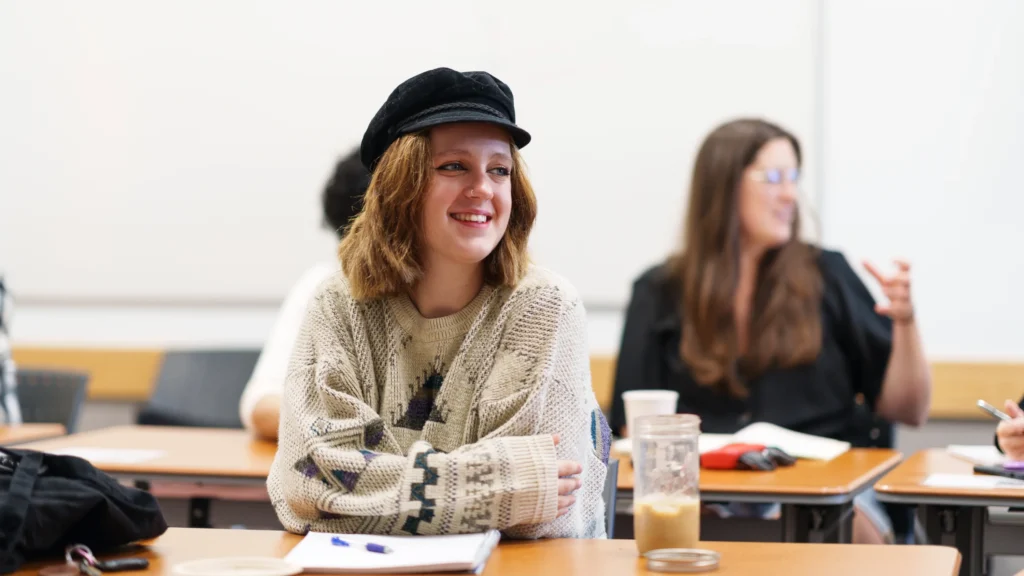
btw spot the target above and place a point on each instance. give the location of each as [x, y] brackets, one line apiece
[393, 423]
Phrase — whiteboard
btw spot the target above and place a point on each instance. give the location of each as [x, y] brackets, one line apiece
[175, 152]
[923, 144]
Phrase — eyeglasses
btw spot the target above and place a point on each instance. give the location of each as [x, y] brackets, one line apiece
[776, 175]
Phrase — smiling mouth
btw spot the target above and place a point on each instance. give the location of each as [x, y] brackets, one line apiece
[472, 218]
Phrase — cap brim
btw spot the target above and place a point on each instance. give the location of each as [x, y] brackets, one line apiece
[519, 136]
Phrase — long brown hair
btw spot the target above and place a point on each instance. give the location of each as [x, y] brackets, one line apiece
[785, 322]
[380, 253]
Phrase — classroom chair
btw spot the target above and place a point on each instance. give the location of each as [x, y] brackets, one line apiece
[611, 492]
[51, 396]
[200, 388]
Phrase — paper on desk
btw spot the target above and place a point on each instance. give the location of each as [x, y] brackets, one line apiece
[111, 455]
[411, 554]
[795, 444]
[945, 480]
[986, 455]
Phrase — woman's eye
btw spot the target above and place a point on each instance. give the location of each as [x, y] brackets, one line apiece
[500, 171]
[451, 166]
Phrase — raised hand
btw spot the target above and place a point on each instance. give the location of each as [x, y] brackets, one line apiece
[896, 288]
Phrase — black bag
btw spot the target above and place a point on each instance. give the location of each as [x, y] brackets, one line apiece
[48, 502]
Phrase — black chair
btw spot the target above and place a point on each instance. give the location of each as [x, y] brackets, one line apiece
[200, 389]
[611, 492]
[51, 396]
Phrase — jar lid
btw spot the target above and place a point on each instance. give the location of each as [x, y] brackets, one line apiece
[682, 560]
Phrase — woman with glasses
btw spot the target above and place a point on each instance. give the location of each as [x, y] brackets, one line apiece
[749, 323]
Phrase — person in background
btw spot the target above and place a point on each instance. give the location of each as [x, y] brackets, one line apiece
[441, 383]
[260, 405]
[749, 323]
[1010, 434]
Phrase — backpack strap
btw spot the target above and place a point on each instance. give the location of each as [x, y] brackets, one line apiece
[14, 508]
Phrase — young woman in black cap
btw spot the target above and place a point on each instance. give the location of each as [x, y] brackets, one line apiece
[441, 383]
[749, 323]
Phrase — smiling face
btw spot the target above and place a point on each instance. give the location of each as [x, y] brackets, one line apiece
[468, 201]
[768, 195]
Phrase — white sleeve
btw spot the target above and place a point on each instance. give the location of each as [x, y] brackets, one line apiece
[271, 369]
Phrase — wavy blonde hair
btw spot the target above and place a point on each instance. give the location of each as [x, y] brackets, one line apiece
[380, 255]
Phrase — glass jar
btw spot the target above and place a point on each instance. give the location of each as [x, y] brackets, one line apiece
[666, 484]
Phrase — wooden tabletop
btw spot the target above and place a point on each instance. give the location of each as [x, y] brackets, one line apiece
[191, 452]
[907, 479]
[844, 475]
[19, 433]
[582, 557]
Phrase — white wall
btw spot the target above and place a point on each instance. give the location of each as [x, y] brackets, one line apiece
[173, 152]
[923, 147]
[163, 161]
[918, 113]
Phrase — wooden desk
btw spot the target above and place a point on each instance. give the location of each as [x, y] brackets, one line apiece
[817, 497]
[806, 482]
[20, 433]
[585, 557]
[206, 455]
[954, 516]
[905, 483]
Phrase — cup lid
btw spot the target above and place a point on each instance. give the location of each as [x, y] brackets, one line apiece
[682, 560]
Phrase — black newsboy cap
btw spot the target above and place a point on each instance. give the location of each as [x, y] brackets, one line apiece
[440, 96]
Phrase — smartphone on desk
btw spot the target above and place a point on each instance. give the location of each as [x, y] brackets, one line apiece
[999, 471]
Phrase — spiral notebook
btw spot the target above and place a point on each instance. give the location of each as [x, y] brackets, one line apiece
[411, 554]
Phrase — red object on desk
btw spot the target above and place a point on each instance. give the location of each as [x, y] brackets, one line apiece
[727, 457]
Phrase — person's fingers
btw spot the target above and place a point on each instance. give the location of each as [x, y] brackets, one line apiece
[1012, 429]
[568, 468]
[1013, 447]
[883, 309]
[564, 502]
[1013, 410]
[902, 263]
[567, 486]
[556, 438]
[897, 292]
[874, 271]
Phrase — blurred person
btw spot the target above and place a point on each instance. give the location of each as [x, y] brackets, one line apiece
[341, 201]
[441, 383]
[749, 323]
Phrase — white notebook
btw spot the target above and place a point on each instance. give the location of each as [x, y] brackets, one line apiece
[411, 554]
[795, 444]
[987, 455]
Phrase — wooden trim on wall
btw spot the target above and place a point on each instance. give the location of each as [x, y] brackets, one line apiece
[127, 375]
[956, 386]
[130, 374]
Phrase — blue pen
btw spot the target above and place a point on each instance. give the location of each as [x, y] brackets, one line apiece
[378, 548]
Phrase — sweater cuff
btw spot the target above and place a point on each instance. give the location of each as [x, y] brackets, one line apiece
[534, 479]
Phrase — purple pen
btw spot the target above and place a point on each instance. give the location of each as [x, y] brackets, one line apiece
[370, 547]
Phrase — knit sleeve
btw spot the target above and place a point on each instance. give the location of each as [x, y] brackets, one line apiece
[339, 469]
[540, 385]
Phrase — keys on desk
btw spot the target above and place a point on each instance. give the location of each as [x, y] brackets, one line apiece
[88, 569]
